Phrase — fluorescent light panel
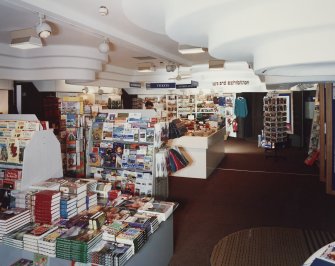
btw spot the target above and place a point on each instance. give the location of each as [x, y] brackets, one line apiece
[189, 49]
[146, 67]
[29, 42]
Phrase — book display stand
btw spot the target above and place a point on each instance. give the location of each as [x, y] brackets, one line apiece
[42, 157]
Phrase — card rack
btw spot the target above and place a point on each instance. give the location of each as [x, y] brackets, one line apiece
[275, 116]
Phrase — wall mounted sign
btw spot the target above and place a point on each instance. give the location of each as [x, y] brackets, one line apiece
[232, 83]
[135, 84]
[169, 85]
[186, 86]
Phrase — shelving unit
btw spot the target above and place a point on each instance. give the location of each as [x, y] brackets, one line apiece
[42, 155]
[105, 150]
[72, 136]
[185, 105]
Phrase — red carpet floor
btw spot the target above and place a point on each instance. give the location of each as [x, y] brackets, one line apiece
[246, 191]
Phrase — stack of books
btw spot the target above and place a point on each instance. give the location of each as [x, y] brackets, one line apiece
[162, 209]
[47, 206]
[132, 236]
[68, 206]
[143, 223]
[46, 185]
[97, 220]
[31, 238]
[76, 243]
[91, 199]
[111, 253]
[79, 189]
[12, 219]
[153, 219]
[110, 231]
[84, 243]
[47, 245]
[15, 239]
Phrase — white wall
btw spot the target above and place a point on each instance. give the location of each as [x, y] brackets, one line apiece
[4, 101]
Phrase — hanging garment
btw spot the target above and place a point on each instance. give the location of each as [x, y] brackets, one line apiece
[241, 109]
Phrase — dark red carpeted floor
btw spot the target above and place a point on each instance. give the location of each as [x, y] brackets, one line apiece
[246, 191]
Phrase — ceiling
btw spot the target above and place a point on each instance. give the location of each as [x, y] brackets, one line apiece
[283, 41]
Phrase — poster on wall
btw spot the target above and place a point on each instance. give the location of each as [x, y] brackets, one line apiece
[289, 111]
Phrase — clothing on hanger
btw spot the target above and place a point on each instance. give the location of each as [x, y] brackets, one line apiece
[241, 109]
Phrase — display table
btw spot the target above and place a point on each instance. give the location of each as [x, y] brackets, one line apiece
[157, 251]
[203, 153]
[317, 254]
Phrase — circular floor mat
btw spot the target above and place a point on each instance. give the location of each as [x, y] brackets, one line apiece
[268, 246]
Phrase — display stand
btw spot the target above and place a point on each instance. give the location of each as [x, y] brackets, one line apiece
[42, 156]
[157, 251]
[203, 153]
[275, 130]
[160, 184]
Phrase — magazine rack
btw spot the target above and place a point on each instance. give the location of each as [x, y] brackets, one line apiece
[42, 156]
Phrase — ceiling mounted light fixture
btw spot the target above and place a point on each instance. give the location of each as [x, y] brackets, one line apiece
[28, 42]
[103, 11]
[43, 29]
[189, 49]
[104, 46]
[146, 67]
[170, 67]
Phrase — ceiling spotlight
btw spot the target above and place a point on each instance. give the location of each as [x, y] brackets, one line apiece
[85, 90]
[103, 11]
[100, 91]
[43, 29]
[104, 46]
[170, 67]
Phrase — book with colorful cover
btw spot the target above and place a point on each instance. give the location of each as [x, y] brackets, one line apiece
[94, 157]
[118, 131]
[97, 131]
[107, 131]
[13, 150]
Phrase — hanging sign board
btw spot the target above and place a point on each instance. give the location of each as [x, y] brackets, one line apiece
[135, 84]
[169, 85]
[185, 86]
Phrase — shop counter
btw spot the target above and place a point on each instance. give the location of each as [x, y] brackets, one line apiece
[203, 153]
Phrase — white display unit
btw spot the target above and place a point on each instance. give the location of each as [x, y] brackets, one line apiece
[203, 153]
[42, 156]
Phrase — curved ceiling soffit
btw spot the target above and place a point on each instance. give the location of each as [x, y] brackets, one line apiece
[73, 16]
[273, 35]
[51, 62]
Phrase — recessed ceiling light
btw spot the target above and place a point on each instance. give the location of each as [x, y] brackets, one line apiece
[103, 11]
[146, 67]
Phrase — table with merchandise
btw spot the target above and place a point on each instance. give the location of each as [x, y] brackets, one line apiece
[204, 153]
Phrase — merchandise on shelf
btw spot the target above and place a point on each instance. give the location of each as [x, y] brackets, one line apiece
[123, 150]
[72, 136]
